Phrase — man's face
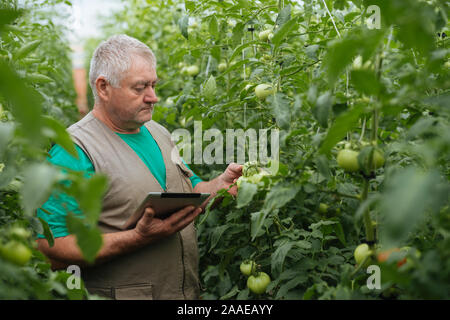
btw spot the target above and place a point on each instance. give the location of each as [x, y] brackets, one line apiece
[132, 104]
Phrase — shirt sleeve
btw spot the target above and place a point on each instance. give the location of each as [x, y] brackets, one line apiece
[55, 209]
[194, 179]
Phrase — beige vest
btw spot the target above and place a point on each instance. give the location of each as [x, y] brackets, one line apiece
[167, 269]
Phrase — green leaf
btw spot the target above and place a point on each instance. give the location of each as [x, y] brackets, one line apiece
[246, 193]
[278, 257]
[190, 5]
[280, 195]
[213, 26]
[284, 16]
[366, 82]
[57, 132]
[340, 53]
[239, 49]
[309, 293]
[323, 109]
[38, 78]
[7, 16]
[6, 134]
[216, 235]
[183, 24]
[282, 32]
[281, 109]
[293, 283]
[38, 180]
[303, 244]
[89, 239]
[26, 108]
[238, 33]
[26, 49]
[230, 294]
[47, 232]
[209, 89]
[414, 21]
[408, 197]
[323, 166]
[90, 199]
[257, 221]
[340, 233]
[344, 122]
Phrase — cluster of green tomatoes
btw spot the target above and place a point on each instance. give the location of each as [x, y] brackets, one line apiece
[15, 250]
[251, 173]
[257, 281]
[347, 158]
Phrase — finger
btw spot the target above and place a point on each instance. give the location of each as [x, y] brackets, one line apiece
[148, 215]
[187, 219]
[235, 167]
[179, 215]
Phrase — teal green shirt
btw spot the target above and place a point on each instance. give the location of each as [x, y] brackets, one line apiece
[59, 204]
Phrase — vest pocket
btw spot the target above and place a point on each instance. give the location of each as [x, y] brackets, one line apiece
[186, 172]
[139, 291]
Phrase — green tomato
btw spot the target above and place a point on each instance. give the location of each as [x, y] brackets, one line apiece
[20, 232]
[361, 252]
[257, 177]
[222, 66]
[16, 252]
[263, 90]
[170, 102]
[378, 159]
[192, 70]
[258, 284]
[247, 267]
[348, 160]
[266, 57]
[323, 208]
[264, 35]
[247, 87]
[250, 168]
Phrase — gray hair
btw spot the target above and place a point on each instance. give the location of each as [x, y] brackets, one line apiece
[113, 58]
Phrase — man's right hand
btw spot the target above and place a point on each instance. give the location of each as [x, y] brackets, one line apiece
[152, 229]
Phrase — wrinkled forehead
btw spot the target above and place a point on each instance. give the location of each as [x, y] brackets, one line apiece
[141, 70]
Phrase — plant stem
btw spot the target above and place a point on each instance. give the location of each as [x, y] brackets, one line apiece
[370, 236]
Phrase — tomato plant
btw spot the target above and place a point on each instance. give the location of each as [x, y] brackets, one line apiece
[362, 120]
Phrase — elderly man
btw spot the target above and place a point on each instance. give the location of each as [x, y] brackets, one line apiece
[154, 259]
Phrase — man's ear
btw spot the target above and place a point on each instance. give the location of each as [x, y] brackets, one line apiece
[103, 88]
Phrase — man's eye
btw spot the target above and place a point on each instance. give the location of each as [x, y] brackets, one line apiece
[140, 89]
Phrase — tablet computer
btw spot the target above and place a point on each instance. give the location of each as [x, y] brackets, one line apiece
[166, 203]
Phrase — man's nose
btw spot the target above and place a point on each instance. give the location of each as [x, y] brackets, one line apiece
[150, 96]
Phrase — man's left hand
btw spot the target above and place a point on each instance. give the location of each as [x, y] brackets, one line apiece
[230, 175]
[227, 178]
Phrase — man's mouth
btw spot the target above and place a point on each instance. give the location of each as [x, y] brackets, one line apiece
[148, 107]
